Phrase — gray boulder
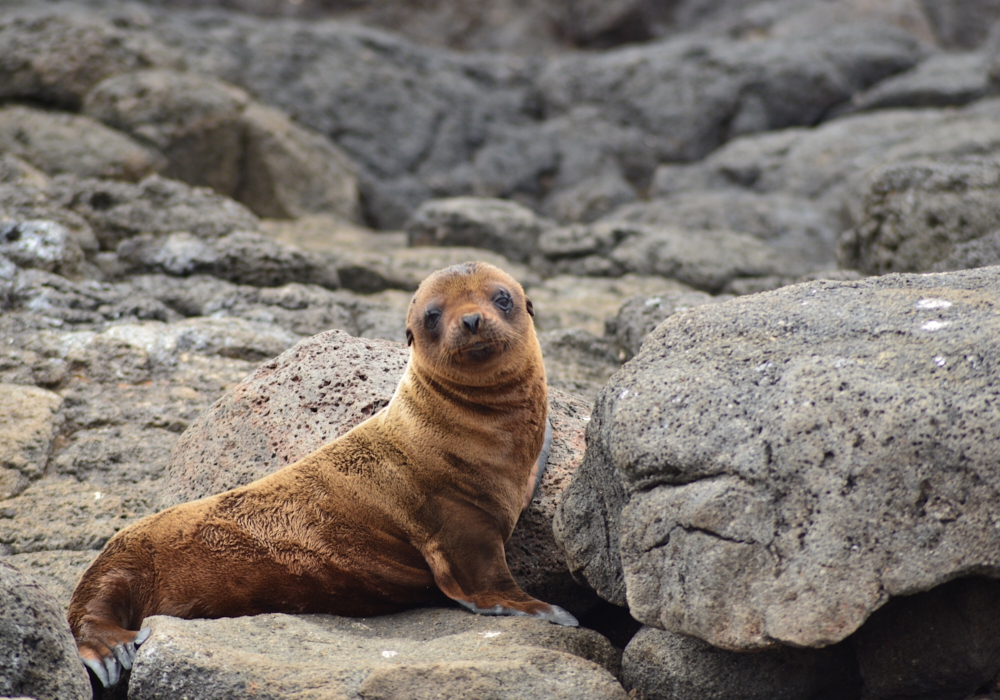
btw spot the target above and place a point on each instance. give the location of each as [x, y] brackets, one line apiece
[119, 210]
[41, 244]
[242, 257]
[914, 214]
[641, 314]
[56, 57]
[942, 80]
[691, 94]
[37, 653]
[29, 424]
[76, 144]
[494, 224]
[418, 654]
[659, 664]
[979, 252]
[578, 362]
[773, 469]
[212, 134]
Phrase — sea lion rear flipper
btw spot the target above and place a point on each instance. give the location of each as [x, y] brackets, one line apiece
[469, 567]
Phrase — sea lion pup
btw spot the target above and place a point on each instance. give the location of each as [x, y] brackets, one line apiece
[416, 501]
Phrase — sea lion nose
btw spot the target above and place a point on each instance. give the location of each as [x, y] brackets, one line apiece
[471, 322]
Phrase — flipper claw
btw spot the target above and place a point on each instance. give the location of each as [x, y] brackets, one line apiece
[97, 667]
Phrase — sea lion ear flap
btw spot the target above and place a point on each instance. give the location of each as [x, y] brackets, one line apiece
[409, 337]
[531, 307]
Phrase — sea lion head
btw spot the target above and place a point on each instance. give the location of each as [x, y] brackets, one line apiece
[470, 323]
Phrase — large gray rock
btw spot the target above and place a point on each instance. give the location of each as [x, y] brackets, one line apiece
[641, 314]
[29, 424]
[70, 143]
[942, 80]
[668, 666]
[41, 244]
[56, 57]
[562, 134]
[243, 257]
[320, 389]
[773, 469]
[212, 134]
[37, 653]
[915, 214]
[494, 224]
[418, 654]
[119, 210]
[692, 94]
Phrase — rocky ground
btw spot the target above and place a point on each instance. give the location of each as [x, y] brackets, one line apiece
[789, 486]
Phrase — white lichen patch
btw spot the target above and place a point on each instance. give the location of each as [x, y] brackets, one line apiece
[490, 634]
[940, 361]
[932, 303]
[389, 653]
[934, 325]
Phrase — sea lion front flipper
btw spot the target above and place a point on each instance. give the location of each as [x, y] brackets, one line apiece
[469, 567]
[538, 470]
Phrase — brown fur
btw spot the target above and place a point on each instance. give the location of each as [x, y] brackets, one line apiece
[418, 499]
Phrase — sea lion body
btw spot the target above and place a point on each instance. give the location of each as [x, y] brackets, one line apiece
[414, 503]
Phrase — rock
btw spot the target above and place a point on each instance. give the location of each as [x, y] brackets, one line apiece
[504, 227]
[405, 269]
[979, 252]
[691, 94]
[194, 122]
[56, 58]
[641, 314]
[916, 213]
[291, 171]
[24, 201]
[29, 424]
[570, 301]
[75, 144]
[57, 571]
[41, 244]
[781, 465]
[417, 654]
[317, 391]
[791, 224]
[592, 198]
[964, 23]
[939, 643]
[533, 556]
[705, 260]
[578, 362]
[15, 171]
[242, 257]
[114, 455]
[63, 514]
[37, 653]
[212, 134]
[942, 80]
[659, 664]
[119, 210]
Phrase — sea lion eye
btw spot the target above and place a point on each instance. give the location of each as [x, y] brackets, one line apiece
[503, 302]
[431, 318]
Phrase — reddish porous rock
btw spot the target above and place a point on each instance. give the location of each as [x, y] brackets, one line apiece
[321, 388]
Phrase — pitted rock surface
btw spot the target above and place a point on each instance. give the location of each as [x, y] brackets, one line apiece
[781, 465]
[430, 653]
[320, 389]
[37, 654]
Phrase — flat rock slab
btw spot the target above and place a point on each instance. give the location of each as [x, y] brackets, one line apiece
[428, 653]
[323, 387]
[778, 466]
